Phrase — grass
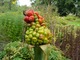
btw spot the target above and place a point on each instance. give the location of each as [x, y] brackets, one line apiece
[69, 20]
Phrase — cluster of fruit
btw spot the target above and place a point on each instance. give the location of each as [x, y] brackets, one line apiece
[37, 33]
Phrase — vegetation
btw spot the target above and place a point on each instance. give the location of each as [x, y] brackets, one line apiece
[64, 7]
[16, 51]
[20, 51]
[11, 23]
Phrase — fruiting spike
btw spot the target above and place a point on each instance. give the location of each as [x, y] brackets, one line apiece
[37, 33]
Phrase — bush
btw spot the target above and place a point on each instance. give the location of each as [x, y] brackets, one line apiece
[11, 26]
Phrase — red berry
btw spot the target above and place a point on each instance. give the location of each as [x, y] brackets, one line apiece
[36, 13]
[31, 18]
[26, 19]
[29, 13]
[41, 21]
[40, 17]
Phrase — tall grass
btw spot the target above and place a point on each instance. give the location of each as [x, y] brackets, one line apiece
[11, 26]
[67, 38]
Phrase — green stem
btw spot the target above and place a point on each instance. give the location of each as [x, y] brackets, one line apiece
[38, 53]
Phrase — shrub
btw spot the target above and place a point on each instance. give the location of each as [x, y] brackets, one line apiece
[11, 26]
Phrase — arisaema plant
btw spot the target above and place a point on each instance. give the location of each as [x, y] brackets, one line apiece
[38, 36]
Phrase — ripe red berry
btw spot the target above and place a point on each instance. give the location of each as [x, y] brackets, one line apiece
[41, 21]
[26, 19]
[36, 13]
[40, 17]
[29, 13]
[31, 18]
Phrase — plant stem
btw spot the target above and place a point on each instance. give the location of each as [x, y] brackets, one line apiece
[38, 53]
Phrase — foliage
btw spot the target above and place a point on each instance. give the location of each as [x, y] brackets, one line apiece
[20, 51]
[17, 51]
[2, 54]
[10, 5]
[66, 20]
[6, 3]
[69, 20]
[12, 25]
[64, 6]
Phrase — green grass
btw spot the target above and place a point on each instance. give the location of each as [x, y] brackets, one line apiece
[74, 23]
[69, 20]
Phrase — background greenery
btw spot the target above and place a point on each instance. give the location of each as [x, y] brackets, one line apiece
[64, 6]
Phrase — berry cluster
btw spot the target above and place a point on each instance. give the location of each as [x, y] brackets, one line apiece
[31, 16]
[37, 33]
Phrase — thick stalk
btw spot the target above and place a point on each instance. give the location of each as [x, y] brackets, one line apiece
[38, 53]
